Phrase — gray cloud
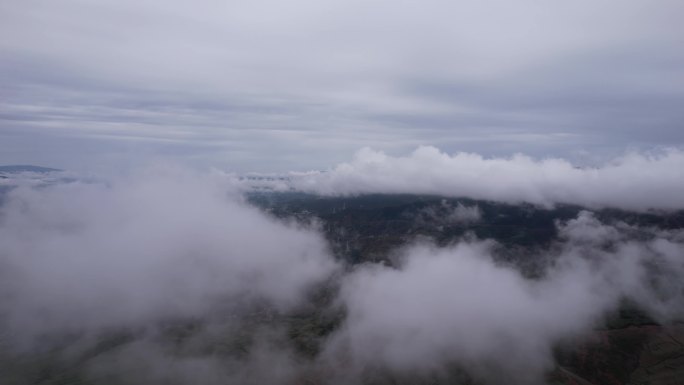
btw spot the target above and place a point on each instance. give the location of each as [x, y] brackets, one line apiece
[259, 86]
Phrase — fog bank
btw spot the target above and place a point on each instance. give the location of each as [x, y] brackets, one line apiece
[82, 257]
[635, 181]
[185, 282]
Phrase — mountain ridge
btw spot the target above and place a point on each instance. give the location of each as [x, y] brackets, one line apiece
[17, 168]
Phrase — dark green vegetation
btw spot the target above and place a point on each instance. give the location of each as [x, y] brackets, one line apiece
[369, 227]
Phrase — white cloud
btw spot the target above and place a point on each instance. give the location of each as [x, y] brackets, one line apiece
[161, 245]
[84, 259]
[446, 213]
[455, 305]
[634, 181]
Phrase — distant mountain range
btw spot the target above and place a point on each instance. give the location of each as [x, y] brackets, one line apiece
[12, 169]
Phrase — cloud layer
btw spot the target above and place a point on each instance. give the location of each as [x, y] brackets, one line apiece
[180, 281]
[265, 87]
[635, 181]
[88, 257]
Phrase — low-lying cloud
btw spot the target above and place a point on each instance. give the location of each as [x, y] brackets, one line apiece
[201, 287]
[456, 305]
[83, 257]
[447, 213]
[635, 181]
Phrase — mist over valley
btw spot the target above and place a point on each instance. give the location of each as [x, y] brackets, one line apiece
[170, 276]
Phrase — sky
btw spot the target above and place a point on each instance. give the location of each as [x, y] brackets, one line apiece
[274, 86]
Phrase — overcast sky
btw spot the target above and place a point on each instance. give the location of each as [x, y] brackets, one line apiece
[265, 85]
